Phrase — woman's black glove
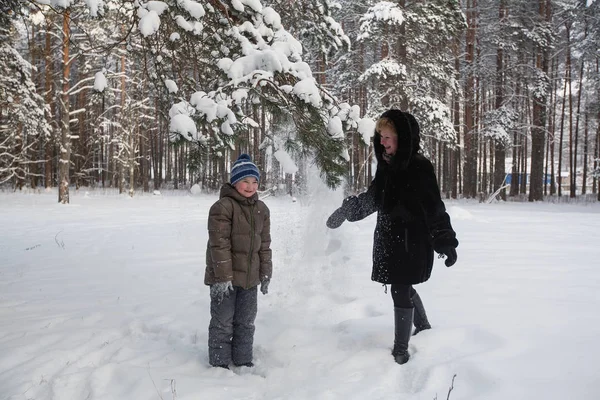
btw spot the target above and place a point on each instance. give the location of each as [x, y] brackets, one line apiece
[450, 254]
[336, 219]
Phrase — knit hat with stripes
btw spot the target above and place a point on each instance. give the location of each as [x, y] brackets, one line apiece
[243, 167]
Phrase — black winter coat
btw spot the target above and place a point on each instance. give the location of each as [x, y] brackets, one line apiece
[411, 217]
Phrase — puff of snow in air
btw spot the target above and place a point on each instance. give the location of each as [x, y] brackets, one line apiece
[196, 189]
[285, 161]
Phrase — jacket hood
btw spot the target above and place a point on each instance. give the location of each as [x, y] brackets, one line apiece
[409, 139]
[228, 190]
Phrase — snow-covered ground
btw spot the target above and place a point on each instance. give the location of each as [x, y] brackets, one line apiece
[104, 299]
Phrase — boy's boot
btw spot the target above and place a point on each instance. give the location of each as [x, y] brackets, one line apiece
[420, 317]
[403, 320]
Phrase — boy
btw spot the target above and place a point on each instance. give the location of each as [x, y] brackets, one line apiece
[238, 259]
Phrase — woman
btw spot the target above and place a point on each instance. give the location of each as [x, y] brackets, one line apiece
[411, 221]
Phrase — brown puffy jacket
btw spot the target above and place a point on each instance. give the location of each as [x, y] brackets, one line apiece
[239, 240]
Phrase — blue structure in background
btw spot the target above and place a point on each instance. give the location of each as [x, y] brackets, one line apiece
[547, 178]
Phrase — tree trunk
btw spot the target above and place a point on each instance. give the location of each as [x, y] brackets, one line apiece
[577, 119]
[470, 167]
[499, 145]
[597, 158]
[455, 157]
[572, 188]
[585, 155]
[65, 139]
[562, 132]
[356, 165]
[402, 52]
[49, 97]
[132, 159]
[524, 148]
[263, 155]
[552, 128]
[514, 168]
[33, 155]
[256, 140]
[538, 132]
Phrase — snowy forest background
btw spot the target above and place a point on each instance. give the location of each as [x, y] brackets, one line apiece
[149, 95]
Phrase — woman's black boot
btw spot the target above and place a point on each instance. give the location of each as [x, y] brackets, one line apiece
[420, 317]
[403, 321]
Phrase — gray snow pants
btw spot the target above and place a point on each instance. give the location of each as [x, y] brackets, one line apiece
[231, 328]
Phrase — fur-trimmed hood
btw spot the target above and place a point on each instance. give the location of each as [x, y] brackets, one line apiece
[409, 139]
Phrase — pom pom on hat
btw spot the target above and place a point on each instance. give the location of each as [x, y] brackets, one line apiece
[242, 168]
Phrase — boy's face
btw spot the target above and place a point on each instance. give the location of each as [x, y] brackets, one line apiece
[247, 186]
[389, 140]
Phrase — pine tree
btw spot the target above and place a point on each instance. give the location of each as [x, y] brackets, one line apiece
[415, 68]
[241, 55]
[22, 120]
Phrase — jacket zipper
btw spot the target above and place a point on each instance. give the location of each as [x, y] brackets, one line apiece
[251, 245]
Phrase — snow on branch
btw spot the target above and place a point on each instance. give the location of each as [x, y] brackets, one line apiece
[384, 69]
[384, 12]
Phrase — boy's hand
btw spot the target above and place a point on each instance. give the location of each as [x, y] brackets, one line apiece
[264, 286]
[220, 290]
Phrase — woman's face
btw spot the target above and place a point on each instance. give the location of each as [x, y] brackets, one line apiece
[247, 186]
[389, 140]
